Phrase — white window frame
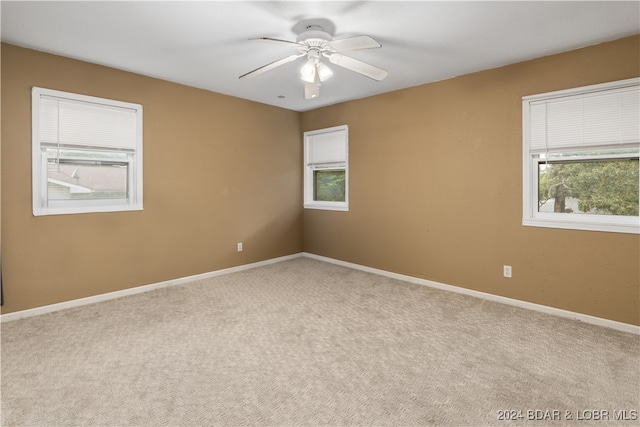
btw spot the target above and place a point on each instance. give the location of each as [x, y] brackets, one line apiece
[339, 135]
[41, 203]
[532, 151]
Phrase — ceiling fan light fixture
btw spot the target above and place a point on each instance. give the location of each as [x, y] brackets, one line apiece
[324, 72]
[311, 90]
[308, 71]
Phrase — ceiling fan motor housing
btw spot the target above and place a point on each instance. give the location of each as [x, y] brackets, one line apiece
[314, 37]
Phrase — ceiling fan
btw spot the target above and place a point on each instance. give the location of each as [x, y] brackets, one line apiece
[314, 43]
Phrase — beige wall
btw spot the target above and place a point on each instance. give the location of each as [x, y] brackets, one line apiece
[217, 170]
[436, 189]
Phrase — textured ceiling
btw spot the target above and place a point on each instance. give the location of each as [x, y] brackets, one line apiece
[206, 44]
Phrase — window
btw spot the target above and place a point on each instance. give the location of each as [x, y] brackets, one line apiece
[580, 158]
[86, 154]
[326, 177]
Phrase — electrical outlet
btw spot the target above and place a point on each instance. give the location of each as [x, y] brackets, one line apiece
[506, 271]
[240, 247]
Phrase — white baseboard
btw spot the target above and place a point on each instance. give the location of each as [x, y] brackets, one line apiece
[624, 327]
[137, 290]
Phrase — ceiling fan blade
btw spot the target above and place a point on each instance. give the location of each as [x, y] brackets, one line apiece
[363, 68]
[353, 43]
[278, 41]
[270, 66]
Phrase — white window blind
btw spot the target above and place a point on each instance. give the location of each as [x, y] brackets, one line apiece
[86, 153]
[326, 169]
[327, 148]
[70, 122]
[579, 138]
[598, 118]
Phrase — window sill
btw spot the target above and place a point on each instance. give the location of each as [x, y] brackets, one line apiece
[606, 226]
[327, 206]
[85, 209]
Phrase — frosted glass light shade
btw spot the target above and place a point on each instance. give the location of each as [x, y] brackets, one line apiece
[308, 71]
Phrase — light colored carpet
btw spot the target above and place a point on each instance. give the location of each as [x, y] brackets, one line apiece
[303, 342]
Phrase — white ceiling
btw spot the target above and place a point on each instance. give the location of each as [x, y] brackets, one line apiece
[205, 44]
